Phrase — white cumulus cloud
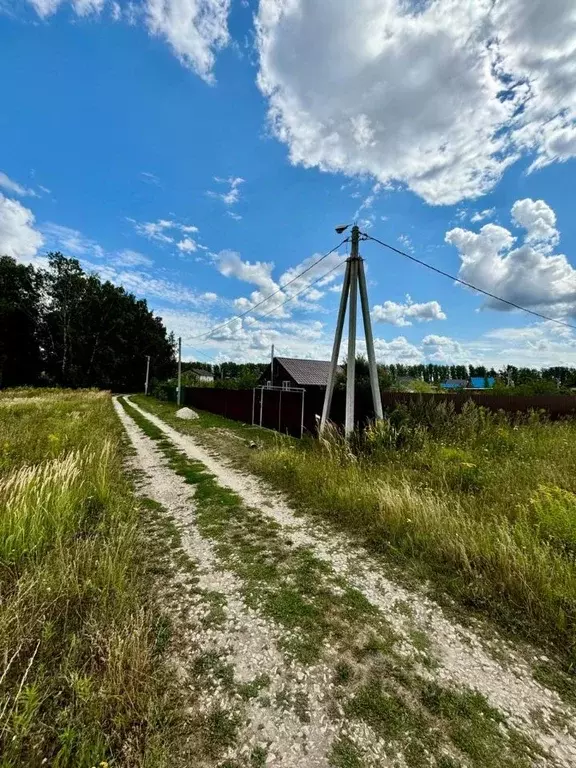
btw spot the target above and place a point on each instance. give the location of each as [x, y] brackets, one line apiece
[443, 349]
[403, 314]
[481, 215]
[167, 231]
[194, 29]
[18, 236]
[539, 221]
[187, 245]
[289, 291]
[398, 350]
[441, 96]
[526, 273]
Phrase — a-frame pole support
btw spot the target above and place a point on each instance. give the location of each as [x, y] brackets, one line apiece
[374, 383]
[336, 348]
[354, 281]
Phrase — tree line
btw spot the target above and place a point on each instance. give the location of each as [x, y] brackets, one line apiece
[62, 327]
[562, 376]
[416, 377]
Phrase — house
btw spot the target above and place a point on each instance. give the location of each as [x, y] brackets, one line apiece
[474, 382]
[482, 382]
[201, 375]
[454, 384]
[291, 372]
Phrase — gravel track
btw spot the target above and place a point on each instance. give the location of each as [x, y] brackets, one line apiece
[250, 644]
[461, 654]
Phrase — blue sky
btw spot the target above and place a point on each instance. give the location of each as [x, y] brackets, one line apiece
[200, 152]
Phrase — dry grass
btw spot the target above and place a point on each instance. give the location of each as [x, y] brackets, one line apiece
[485, 507]
[81, 681]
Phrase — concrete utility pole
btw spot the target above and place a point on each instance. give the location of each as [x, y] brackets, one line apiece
[179, 370]
[354, 279]
[352, 322]
[373, 368]
[147, 374]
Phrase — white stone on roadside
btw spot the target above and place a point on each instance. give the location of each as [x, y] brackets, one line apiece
[186, 413]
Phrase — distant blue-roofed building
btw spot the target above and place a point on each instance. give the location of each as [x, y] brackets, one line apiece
[482, 382]
[454, 384]
[474, 382]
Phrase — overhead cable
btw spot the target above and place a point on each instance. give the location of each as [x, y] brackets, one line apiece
[469, 285]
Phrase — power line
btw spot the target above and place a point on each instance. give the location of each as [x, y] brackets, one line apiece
[306, 288]
[469, 285]
[204, 354]
[294, 296]
[278, 290]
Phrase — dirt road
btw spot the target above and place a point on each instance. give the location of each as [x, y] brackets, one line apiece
[304, 652]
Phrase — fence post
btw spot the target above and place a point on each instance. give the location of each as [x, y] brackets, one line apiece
[280, 412]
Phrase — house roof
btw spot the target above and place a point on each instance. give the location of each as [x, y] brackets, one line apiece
[201, 372]
[306, 372]
[481, 382]
[454, 383]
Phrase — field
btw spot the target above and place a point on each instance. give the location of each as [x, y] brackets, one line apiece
[82, 682]
[482, 506]
[162, 607]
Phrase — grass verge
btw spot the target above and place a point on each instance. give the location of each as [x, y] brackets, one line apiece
[83, 680]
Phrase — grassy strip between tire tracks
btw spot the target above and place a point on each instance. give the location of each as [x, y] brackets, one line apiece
[83, 681]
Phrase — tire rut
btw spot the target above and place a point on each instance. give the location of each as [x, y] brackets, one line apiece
[461, 655]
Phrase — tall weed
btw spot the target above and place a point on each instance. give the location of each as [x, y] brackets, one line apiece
[80, 682]
[484, 503]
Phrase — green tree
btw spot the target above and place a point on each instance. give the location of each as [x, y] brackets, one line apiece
[64, 286]
[20, 360]
[97, 334]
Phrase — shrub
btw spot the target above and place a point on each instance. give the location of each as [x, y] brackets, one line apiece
[164, 390]
[553, 511]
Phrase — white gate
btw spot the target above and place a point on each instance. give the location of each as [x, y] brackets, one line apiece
[279, 408]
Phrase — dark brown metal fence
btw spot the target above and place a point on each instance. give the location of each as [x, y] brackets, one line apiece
[233, 404]
[282, 410]
[554, 405]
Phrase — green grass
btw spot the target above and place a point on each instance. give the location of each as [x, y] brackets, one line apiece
[289, 584]
[375, 682]
[481, 506]
[206, 421]
[84, 679]
[430, 719]
[345, 755]
[489, 518]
